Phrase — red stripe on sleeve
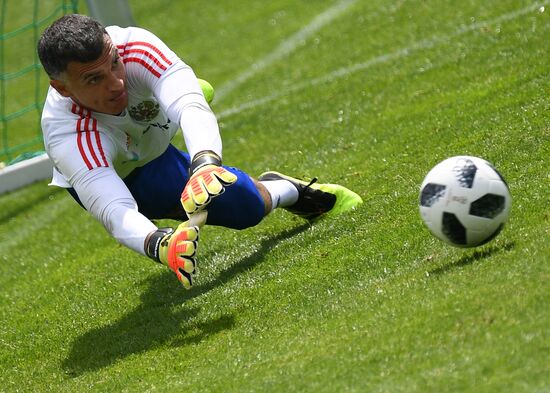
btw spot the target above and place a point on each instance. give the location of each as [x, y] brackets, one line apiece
[85, 125]
[90, 144]
[81, 149]
[143, 63]
[98, 141]
[148, 45]
[79, 125]
[146, 53]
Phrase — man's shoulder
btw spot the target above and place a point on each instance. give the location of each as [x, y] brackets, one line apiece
[57, 107]
[143, 53]
[62, 117]
[123, 35]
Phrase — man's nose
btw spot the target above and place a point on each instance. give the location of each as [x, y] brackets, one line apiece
[115, 82]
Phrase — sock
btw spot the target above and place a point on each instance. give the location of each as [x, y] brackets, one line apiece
[283, 193]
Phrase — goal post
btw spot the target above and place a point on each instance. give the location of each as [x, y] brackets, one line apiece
[111, 12]
[23, 83]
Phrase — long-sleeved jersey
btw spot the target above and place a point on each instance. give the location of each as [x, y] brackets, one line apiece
[92, 152]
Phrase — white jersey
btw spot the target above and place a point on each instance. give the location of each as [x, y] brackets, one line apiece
[92, 152]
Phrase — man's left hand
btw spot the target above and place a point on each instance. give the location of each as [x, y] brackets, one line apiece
[176, 249]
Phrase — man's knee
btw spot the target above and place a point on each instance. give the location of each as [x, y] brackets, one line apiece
[241, 206]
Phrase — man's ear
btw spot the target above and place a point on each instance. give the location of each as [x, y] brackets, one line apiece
[61, 87]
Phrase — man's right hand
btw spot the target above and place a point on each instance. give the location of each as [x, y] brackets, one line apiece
[208, 180]
[176, 249]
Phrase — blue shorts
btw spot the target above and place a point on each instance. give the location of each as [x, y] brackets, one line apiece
[157, 188]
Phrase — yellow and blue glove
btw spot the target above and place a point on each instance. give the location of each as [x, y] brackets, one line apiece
[175, 249]
[208, 180]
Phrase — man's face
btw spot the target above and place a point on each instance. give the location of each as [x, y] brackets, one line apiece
[99, 85]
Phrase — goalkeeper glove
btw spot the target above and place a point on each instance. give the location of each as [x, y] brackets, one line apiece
[208, 180]
[176, 249]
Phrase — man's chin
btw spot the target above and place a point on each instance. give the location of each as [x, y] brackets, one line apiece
[117, 108]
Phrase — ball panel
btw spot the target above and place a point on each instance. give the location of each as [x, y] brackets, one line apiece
[453, 229]
[488, 206]
[465, 172]
[431, 193]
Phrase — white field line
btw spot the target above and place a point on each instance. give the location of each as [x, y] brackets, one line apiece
[400, 53]
[44, 217]
[287, 46]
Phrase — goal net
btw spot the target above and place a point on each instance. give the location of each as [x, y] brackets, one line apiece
[23, 83]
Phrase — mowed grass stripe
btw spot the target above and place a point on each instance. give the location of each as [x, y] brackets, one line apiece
[427, 43]
[42, 215]
[287, 46]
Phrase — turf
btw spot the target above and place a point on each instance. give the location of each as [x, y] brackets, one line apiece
[371, 97]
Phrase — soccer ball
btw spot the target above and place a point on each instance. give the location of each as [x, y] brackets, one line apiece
[464, 201]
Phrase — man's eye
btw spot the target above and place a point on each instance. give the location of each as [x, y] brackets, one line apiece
[93, 80]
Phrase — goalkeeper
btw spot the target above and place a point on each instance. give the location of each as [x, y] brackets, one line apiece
[117, 97]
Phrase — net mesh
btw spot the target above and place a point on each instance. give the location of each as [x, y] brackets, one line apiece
[23, 83]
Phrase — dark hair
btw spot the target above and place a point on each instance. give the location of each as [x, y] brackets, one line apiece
[72, 37]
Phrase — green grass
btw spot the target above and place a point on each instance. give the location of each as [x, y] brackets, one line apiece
[366, 302]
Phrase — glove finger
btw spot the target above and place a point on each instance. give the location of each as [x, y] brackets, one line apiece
[199, 191]
[212, 184]
[185, 278]
[187, 202]
[187, 264]
[194, 196]
[185, 248]
[185, 232]
[225, 176]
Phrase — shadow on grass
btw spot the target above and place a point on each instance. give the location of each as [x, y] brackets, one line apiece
[155, 322]
[15, 209]
[472, 257]
[246, 263]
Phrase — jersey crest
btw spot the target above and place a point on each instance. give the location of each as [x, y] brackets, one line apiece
[144, 111]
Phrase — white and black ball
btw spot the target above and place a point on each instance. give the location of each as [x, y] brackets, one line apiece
[464, 201]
